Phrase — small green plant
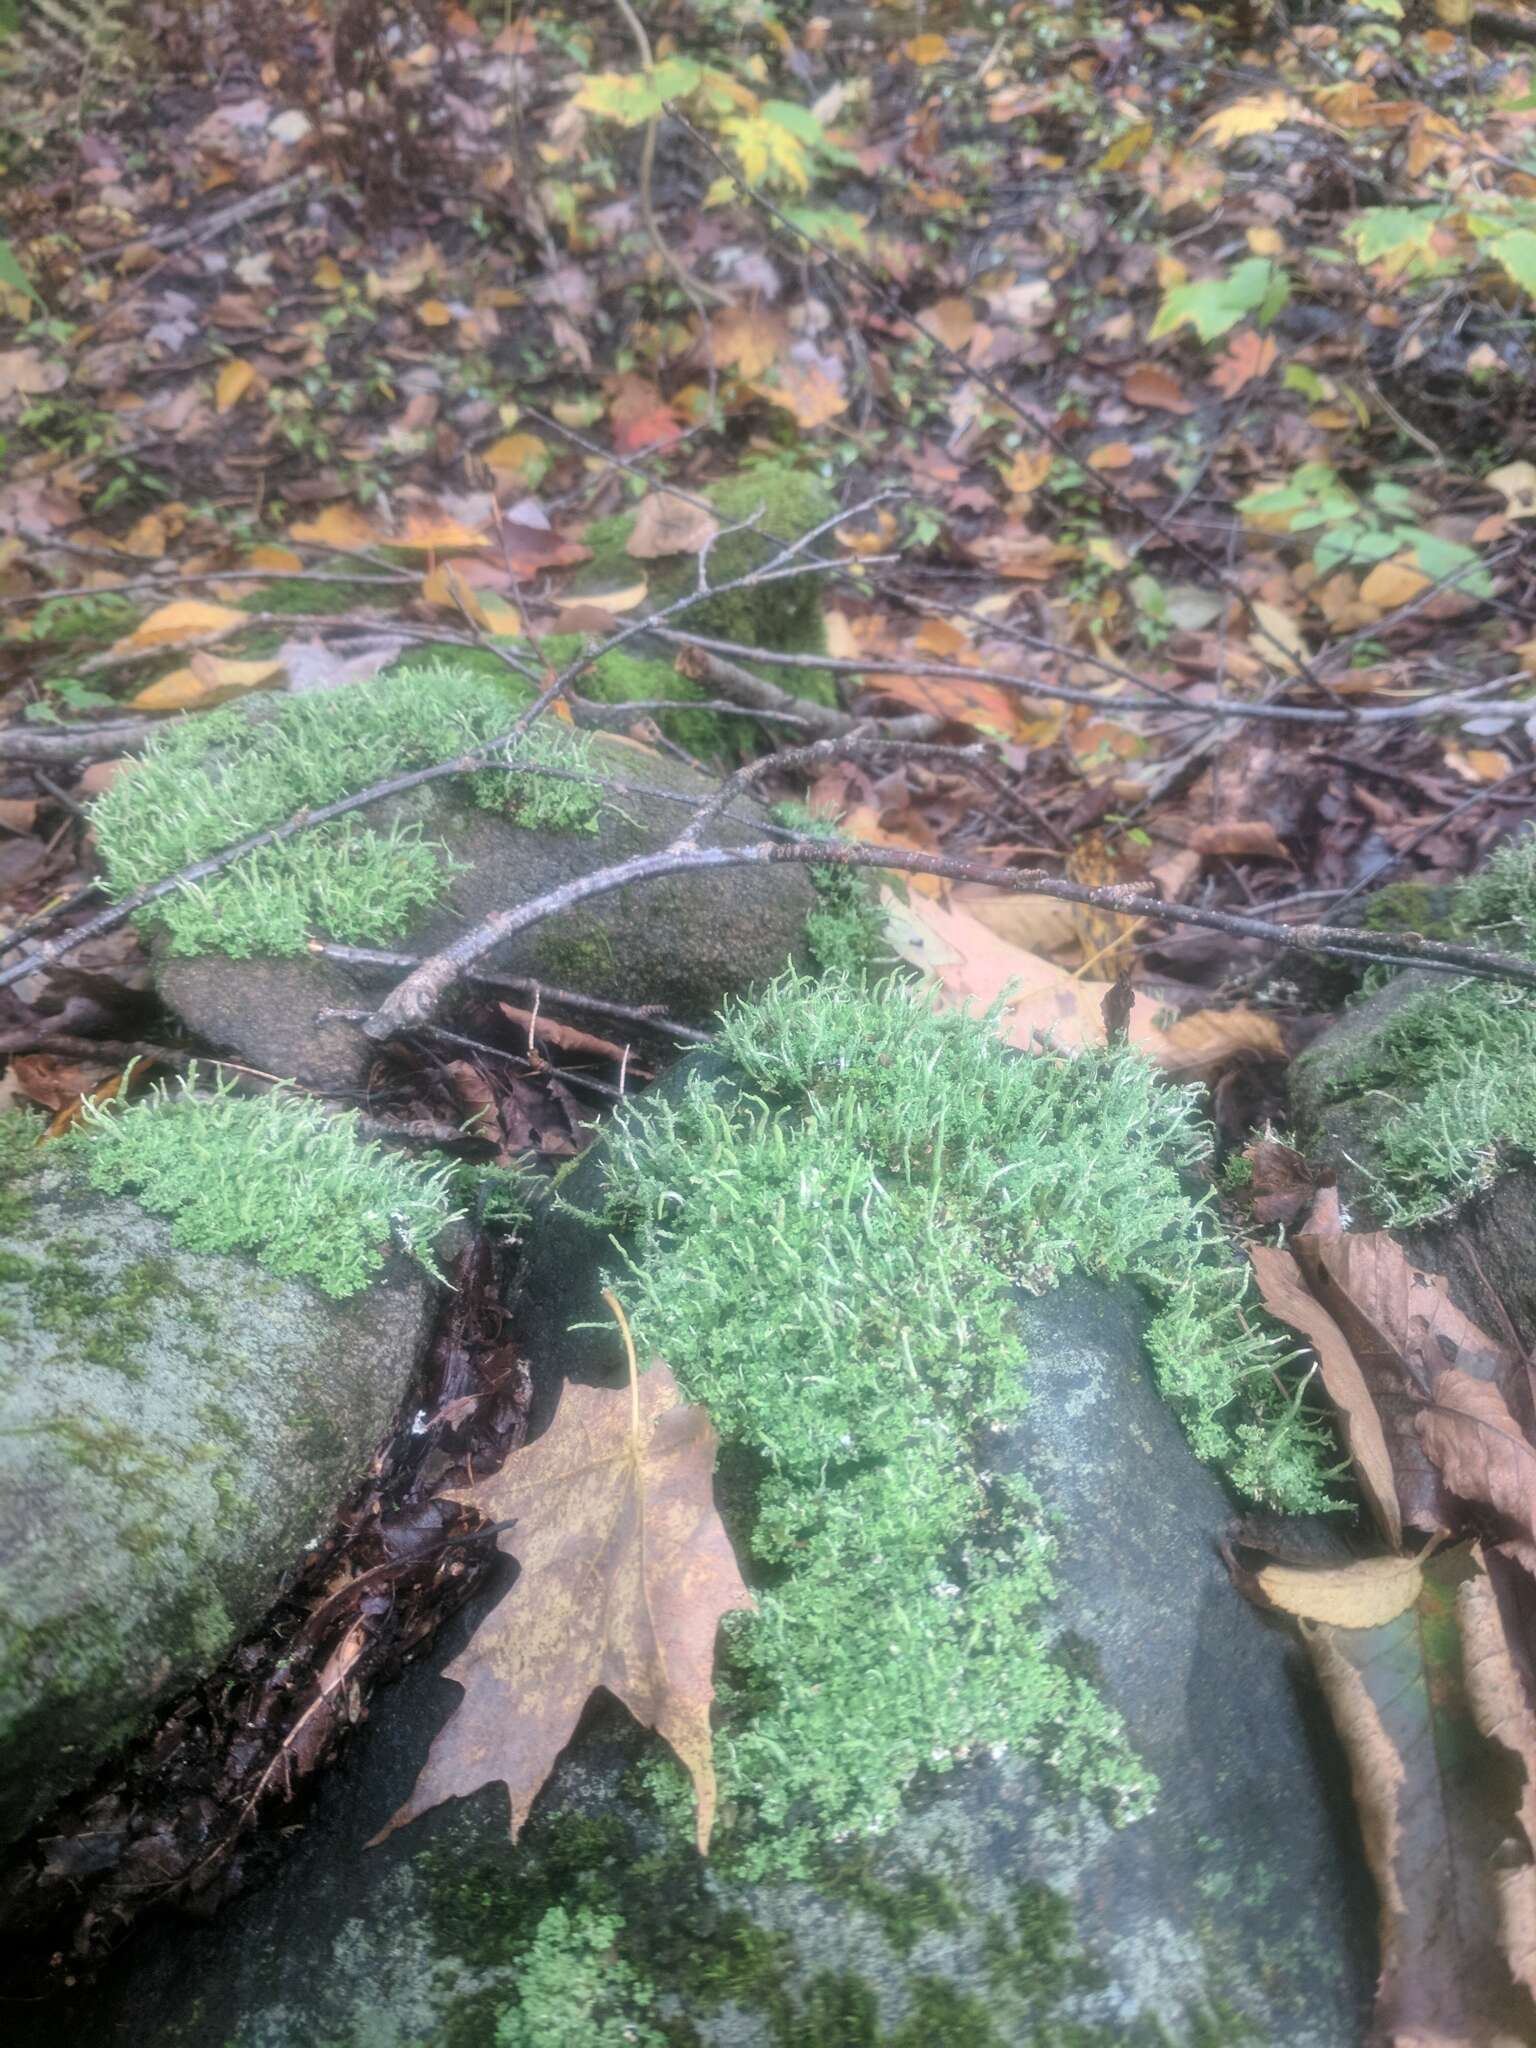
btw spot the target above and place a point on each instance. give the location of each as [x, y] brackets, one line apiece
[1213, 306]
[1354, 532]
[575, 1991]
[273, 1175]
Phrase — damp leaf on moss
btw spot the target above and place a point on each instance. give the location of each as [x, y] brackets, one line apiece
[826, 1251]
[272, 1175]
[206, 784]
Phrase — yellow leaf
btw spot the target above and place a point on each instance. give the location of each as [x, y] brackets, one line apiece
[235, 379]
[1453, 13]
[338, 526]
[924, 50]
[1260, 116]
[448, 588]
[425, 534]
[207, 680]
[188, 619]
[769, 152]
[433, 313]
[1126, 147]
[628, 599]
[1365, 1594]
[516, 454]
[1477, 764]
[1266, 241]
[280, 559]
[870, 540]
[1393, 583]
[326, 276]
[1516, 485]
[1525, 654]
[1277, 637]
[1028, 471]
[1170, 271]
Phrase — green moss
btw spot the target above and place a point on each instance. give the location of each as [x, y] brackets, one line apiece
[845, 932]
[826, 1256]
[1412, 907]
[272, 1175]
[103, 1326]
[205, 785]
[1448, 1073]
[784, 615]
[334, 593]
[574, 1991]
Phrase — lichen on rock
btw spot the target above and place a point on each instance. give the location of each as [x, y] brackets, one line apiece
[177, 1420]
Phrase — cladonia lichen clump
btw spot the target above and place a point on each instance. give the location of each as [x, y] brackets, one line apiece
[273, 1175]
[824, 1248]
[205, 785]
[1448, 1073]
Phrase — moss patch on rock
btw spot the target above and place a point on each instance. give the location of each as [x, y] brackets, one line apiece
[274, 1175]
[825, 1247]
[207, 784]
[784, 615]
[1442, 1064]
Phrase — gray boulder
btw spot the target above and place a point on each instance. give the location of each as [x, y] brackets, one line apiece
[997, 1914]
[686, 942]
[175, 1427]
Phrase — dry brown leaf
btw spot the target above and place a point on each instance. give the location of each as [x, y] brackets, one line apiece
[1365, 1594]
[1250, 838]
[626, 1573]
[1204, 1038]
[1112, 455]
[541, 1029]
[1287, 1295]
[1247, 356]
[1483, 1455]
[669, 525]
[1405, 1333]
[952, 320]
[1501, 1707]
[1149, 384]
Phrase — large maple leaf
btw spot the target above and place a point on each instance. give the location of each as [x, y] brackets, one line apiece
[626, 1571]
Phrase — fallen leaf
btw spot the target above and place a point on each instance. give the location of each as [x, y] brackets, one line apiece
[523, 456]
[338, 526]
[206, 681]
[1483, 1455]
[1440, 1803]
[24, 373]
[541, 1029]
[1260, 115]
[18, 813]
[1277, 638]
[925, 50]
[1205, 1038]
[595, 610]
[952, 320]
[1287, 1295]
[235, 378]
[433, 313]
[1477, 764]
[669, 525]
[1149, 384]
[427, 533]
[1250, 838]
[625, 1574]
[1393, 583]
[1515, 483]
[282, 561]
[189, 618]
[639, 415]
[1365, 1594]
[1028, 470]
[1247, 356]
[1112, 455]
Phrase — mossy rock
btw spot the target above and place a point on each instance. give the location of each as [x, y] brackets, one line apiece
[785, 616]
[1419, 1098]
[1002, 1902]
[412, 872]
[175, 1427]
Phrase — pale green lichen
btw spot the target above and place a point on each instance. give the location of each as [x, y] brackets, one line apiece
[205, 785]
[825, 1254]
[845, 932]
[274, 1175]
[1448, 1073]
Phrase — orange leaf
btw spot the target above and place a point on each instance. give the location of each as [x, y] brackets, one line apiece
[235, 379]
[951, 320]
[435, 533]
[925, 50]
[188, 619]
[1149, 384]
[433, 313]
[338, 526]
[1248, 355]
[1112, 455]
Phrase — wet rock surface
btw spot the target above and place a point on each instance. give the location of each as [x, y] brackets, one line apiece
[684, 942]
[175, 1427]
[999, 1913]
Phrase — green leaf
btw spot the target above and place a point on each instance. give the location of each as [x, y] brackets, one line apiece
[1515, 253]
[1395, 235]
[1215, 305]
[12, 276]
